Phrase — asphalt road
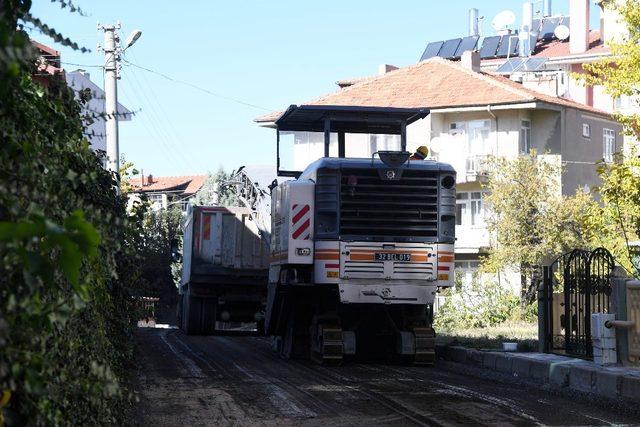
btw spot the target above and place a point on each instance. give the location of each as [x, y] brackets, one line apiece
[240, 380]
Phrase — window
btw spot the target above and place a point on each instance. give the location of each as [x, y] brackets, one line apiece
[381, 142]
[457, 128]
[525, 136]
[586, 130]
[476, 208]
[469, 211]
[466, 270]
[461, 207]
[479, 131]
[156, 201]
[608, 144]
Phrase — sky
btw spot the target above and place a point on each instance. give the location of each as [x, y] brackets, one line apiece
[250, 57]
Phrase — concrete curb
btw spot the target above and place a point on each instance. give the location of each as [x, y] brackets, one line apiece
[560, 372]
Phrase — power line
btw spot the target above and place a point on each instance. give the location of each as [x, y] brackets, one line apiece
[153, 129]
[82, 65]
[217, 95]
[160, 121]
[170, 128]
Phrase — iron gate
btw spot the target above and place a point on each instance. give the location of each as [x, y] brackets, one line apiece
[576, 285]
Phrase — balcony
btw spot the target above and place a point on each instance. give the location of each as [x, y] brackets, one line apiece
[476, 167]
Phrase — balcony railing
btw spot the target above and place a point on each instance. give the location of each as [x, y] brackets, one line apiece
[476, 166]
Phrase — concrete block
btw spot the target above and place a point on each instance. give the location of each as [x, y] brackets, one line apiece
[582, 378]
[603, 343]
[539, 370]
[521, 367]
[489, 360]
[598, 330]
[630, 387]
[559, 374]
[457, 354]
[604, 356]
[504, 363]
[608, 383]
[475, 357]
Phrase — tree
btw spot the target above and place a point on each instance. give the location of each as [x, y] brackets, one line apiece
[161, 235]
[620, 74]
[616, 221]
[215, 191]
[528, 218]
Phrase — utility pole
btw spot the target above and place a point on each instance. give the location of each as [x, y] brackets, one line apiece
[112, 51]
[111, 62]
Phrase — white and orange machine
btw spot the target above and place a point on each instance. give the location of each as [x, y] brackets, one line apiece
[359, 247]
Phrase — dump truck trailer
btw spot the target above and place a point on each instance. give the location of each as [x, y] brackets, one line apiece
[225, 269]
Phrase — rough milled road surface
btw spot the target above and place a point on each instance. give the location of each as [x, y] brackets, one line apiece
[239, 380]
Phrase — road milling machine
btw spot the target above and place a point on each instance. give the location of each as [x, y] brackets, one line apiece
[359, 246]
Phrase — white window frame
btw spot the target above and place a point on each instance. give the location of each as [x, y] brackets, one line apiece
[608, 144]
[586, 130]
[525, 136]
[470, 209]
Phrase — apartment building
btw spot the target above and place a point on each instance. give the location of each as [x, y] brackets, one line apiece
[473, 115]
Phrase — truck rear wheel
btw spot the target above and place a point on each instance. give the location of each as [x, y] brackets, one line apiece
[198, 315]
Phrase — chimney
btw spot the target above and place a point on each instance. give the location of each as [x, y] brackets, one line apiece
[524, 44]
[546, 10]
[579, 26]
[471, 60]
[612, 26]
[385, 68]
[149, 179]
[473, 22]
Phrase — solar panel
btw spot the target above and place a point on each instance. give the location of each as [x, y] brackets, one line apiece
[432, 50]
[536, 25]
[449, 48]
[548, 27]
[508, 46]
[510, 66]
[489, 47]
[533, 64]
[521, 65]
[468, 43]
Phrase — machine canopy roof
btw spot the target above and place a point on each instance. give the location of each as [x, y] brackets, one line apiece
[349, 119]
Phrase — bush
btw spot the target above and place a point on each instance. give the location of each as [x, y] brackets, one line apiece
[69, 262]
[476, 305]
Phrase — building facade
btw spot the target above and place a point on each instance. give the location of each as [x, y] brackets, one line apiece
[473, 115]
[164, 192]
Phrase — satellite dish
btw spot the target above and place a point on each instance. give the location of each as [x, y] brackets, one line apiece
[503, 19]
[562, 32]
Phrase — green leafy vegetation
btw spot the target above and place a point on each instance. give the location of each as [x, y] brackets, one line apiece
[479, 304]
[620, 74]
[216, 191]
[69, 253]
[530, 221]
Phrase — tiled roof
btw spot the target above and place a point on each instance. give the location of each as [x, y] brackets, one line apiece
[188, 184]
[436, 83]
[557, 48]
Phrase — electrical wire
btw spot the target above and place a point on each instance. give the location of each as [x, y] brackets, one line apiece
[166, 118]
[159, 121]
[151, 128]
[82, 65]
[217, 95]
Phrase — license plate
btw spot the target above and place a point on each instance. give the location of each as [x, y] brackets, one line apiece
[385, 256]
